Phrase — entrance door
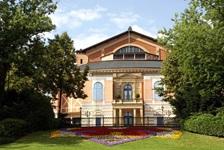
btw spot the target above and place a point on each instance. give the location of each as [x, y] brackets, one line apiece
[128, 119]
[159, 121]
[98, 121]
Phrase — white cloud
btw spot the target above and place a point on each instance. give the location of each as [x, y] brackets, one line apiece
[74, 18]
[87, 14]
[48, 35]
[124, 19]
[83, 41]
[145, 32]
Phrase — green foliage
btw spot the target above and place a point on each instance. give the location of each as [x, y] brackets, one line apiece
[32, 107]
[193, 71]
[6, 140]
[25, 59]
[59, 70]
[117, 96]
[21, 25]
[137, 95]
[205, 124]
[13, 128]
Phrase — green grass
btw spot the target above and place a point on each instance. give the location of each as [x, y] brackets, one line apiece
[42, 141]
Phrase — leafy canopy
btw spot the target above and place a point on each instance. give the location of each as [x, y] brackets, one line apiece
[21, 25]
[193, 71]
[59, 69]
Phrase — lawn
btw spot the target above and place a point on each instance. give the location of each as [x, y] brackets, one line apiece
[42, 141]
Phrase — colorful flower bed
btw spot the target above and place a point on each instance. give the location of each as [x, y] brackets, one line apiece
[113, 136]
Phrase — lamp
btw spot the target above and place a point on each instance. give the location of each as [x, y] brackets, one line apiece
[80, 112]
[87, 113]
[162, 109]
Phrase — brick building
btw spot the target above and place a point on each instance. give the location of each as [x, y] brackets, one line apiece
[124, 70]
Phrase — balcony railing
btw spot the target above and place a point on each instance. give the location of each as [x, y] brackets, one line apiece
[127, 101]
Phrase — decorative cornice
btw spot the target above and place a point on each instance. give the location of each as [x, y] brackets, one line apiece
[124, 70]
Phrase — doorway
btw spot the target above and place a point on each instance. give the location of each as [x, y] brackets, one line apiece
[128, 119]
[98, 122]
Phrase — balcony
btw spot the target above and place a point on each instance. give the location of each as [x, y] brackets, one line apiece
[128, 101]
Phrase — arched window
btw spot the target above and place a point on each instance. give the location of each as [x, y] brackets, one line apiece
[127, 91]
[98, 91]
[157, 85]
[130, 52]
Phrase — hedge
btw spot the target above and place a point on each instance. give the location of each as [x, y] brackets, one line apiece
[206, 124]
[13, 128]
[30, 106]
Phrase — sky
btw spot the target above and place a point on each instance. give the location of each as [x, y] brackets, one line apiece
[88, 22]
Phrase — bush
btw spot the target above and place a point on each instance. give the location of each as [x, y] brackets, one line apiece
[117, 96]
[12, 128]
[39, 113]
[205, 124]
[6, 140]
[32, 107]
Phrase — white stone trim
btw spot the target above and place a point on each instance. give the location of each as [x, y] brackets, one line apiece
[100, 78]
[158, 77]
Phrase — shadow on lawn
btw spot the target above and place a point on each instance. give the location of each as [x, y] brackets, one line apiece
[41, 139]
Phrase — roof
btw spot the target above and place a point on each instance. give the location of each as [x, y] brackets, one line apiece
[114, 37]
[122, 64]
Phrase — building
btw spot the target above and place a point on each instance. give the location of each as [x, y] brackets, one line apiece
[124, 71]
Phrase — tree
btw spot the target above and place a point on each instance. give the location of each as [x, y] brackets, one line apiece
[21, 22]
[194, 70]
[59, 69]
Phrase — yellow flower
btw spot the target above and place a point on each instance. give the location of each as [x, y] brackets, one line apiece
[116, 133]
[55, 134]
[174, 135]
[58, 133]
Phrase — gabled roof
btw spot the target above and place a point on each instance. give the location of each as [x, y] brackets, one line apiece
[114, 37]
[123, 64]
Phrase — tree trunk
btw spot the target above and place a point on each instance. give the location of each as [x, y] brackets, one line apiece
[2, 84]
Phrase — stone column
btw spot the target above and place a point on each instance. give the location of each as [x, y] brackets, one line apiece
[141, 115]
[114, 116]
[134, 117]
[120, 117]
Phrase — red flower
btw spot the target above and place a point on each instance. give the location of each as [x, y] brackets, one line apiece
[133, 131]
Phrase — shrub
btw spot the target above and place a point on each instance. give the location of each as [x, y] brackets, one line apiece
[205, 124]
[117, 96]
[32, 107]
[137, 95]
[13, 128]
[6, 140]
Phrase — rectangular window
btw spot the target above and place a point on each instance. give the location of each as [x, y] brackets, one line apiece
[139, 56]
[118, 56]
[129, 56]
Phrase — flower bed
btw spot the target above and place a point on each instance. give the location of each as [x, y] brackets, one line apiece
[114, 136]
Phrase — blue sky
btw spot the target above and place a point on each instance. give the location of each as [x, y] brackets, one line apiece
[88, 22]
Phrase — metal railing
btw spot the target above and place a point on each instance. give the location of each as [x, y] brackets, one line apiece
[120, 121]
[127, 101]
